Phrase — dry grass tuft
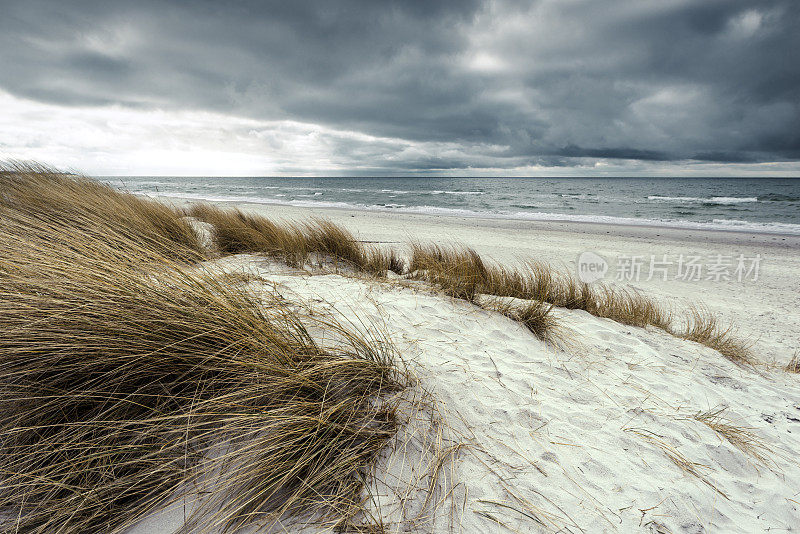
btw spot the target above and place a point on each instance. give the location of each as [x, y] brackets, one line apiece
[379, 261]
[458, 271]
[704, 328]
[461, 273]
[536, 316]
[125, 378]
[686, 465]
[329, 239]
[629, 307]
[742, 438]
[794, 364]
[57, 198]
[236, 232]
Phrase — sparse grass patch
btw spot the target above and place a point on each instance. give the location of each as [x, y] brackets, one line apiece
[237, 277]
[704, 328]
[794, 364]
[461, 273]
[686, 465]
[536, 316]
[743, 438]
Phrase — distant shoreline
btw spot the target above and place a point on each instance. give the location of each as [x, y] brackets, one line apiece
[602, 227]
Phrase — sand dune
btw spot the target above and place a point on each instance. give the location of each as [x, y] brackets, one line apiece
[612, 432]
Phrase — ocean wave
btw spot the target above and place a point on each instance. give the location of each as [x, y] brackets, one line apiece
[395, 191]
[711, 200]
[777, 197]
[578, 196]
[437, 192]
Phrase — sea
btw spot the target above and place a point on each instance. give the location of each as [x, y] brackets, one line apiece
[763, 205]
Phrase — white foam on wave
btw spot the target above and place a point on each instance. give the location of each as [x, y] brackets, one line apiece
[439, 192]
[711, 200]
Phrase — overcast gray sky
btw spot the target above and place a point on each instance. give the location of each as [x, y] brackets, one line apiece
[507, 87]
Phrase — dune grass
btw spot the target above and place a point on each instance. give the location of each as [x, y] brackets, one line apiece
[70, 201]
[462, 273]
[704, 328]
[126, 378]
[456, 270]
[794, 364]
[237, 232]
[534, 315]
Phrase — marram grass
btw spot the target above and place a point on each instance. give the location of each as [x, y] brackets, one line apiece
[125, 378]
[71, 202]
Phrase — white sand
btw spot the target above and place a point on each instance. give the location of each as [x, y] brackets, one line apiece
[587, 438]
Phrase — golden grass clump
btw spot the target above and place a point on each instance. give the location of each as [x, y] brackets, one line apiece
[537, 318]
[126, 379]
[379, 261]
[535, 315]
[67, 200]
[462, 273]
[329, 239]
[704, 328]
[236, 232]
[629, 307]
[458, 271]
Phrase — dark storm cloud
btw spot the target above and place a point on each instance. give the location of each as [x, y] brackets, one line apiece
[510, 83]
